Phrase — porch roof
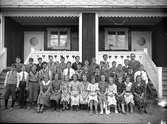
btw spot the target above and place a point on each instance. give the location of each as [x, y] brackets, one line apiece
[83, 3]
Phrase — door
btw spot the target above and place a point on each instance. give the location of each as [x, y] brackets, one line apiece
[33, 40]
[141, 40]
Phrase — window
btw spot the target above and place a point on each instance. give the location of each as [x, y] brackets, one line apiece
[116, 39]
[58, 39]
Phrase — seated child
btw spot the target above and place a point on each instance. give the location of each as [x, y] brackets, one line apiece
[44, 95]
[120, 94]
[55, 91]
[74, 92]
[111, 93]
[92, 97]
[102, 95]
[128, 94]
[84, 92]
[65, 94]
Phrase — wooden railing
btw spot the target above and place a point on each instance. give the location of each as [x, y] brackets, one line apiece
[3, 58]
[68, 55]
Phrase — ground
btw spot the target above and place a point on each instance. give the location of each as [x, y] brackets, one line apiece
[156, 115]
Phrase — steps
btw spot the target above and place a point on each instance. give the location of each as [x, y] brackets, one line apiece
[164, 82]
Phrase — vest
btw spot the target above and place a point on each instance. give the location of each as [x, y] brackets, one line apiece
[12, 78]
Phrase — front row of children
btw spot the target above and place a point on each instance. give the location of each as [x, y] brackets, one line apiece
[118, 94]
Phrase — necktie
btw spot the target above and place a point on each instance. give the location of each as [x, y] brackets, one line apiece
[68, 72]
[23, 79]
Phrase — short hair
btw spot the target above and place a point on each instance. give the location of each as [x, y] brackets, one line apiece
[13, 65]
[39, 58]
[62, 57]
[44, 63]
[31, 59]
[74, 75]
[114, 62]
[76, 57]
[17, 57]
[105, 55]
[69, 62]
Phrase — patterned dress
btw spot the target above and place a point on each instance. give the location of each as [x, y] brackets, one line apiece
[84, 92]
[55, 90]
[128, 93]
[44, 94]
[75, 92]
[120, 89]
[138, 90]
[111, 91]
[93, 88]
[65, 94]
[102, 89]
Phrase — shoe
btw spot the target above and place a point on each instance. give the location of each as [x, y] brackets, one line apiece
[11, 109]
[116, 111]
[41, 110]
[38, 109]
[101, 112]
[107, 112]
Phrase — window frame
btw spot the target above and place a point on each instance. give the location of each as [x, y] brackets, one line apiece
[49, 30]
[125, 48]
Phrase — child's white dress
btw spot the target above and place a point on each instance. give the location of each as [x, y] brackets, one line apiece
[92, 88]
[75, 92]
[111, 91]
[128, 94]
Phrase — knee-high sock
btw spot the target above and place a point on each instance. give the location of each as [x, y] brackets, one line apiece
[13, 102]
[6, 103]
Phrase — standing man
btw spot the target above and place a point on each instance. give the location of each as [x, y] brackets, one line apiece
[68, 71]
[133, 63]
[23, 87]
[77, 61]
[39, 65]
[11, 84]
[18, 64]
[28, 66]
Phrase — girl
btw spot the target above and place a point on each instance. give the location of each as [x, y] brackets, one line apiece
[128, 94]
[84, 93]
[102, 95]
[79, 71]
[111, 93]
[120, 94]
[92, 97]
[138, 90]
[65, 97]
[75, 92]
[55, 91]
[43, 98]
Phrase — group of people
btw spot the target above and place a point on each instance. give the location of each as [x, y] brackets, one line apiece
[77, 86]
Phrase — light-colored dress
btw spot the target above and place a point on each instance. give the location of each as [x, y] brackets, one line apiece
[93, 88]
[65, 94]
[75, 92]
[44, 94]
[128, 94]
[84, 92]
[55, 90]
[111, 91]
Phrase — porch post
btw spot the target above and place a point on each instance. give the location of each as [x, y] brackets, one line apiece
[80, 36]
[1, 32]
[160, 82]
[96, 35]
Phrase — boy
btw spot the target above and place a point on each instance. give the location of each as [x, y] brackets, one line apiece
[74, 65]
[11, 84]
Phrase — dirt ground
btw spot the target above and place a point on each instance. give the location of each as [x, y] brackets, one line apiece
[156, 115]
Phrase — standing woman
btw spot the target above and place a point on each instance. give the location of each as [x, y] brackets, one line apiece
[33, 85]
[44, 82]
[138, 90]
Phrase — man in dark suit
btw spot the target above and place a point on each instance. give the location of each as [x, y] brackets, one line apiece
[74, 65]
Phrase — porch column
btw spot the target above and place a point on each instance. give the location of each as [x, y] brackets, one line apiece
[88, 36]
[80, 35]
[97, 34]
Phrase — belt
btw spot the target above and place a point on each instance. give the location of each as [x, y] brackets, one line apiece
[33, 81]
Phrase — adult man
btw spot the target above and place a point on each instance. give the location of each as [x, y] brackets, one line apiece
[69, 71]
[134, 64]
[74, 65]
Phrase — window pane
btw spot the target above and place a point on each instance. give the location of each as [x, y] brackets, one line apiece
[54, 40]
[63, 40]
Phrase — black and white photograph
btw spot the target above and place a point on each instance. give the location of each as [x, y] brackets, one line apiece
[83, 61]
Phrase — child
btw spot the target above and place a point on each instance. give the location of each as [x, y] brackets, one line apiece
[79, 71]
[111, 93]
[84, 93]
[75, 92]
[55, 91]
[120, 94]
[112, 70]
[102, 95]
[92, 97]
[23, 87]
[138, 90]
[44, 95]
[86, 72]
[33, 85]
[65, 97]
[128, 94]
[11, 84]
